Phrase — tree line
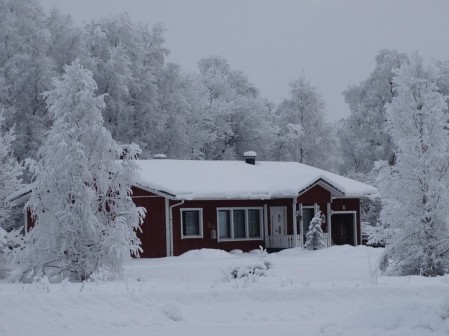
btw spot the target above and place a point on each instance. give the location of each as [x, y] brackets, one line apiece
[216, 113]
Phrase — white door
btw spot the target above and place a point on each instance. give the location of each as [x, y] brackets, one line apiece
[278, 219]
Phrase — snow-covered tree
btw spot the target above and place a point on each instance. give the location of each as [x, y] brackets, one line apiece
[127, 60]
[239, 119]
[363, 135]
[85, 218]
[414, 190]
[315, 236]
[65, 40]
[10, 174]
[26, 72]
[304, 134]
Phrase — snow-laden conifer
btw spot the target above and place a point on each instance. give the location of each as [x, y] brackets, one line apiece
[85, 218]
[315, 237]
[415, 190]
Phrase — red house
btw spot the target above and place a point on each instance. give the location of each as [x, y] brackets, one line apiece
[242, 205]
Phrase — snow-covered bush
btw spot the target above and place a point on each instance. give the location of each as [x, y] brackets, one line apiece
[315, 236]
[249, 270]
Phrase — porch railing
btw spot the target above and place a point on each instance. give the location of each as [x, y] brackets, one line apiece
[288, 241]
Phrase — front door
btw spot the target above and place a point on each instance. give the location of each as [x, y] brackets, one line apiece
[278, 220]
[343, 229]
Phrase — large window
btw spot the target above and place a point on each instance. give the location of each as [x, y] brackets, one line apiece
[191, 223]
[239, 223]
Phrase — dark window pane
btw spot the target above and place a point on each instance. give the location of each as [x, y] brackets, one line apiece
[224, 224]
[191, 223]
[239, 223]
[254, 223]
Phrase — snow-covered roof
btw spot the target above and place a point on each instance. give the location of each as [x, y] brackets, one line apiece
[188, 179]
[20, 196]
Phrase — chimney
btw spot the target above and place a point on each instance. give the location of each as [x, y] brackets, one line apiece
[159, 156]
[250, 157]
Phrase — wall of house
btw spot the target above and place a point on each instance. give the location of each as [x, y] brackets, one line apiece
[316, 194]
[29, 224]
[153, 235]
[209, 209]
[320, 196]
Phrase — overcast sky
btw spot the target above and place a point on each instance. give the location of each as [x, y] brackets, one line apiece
[333, 43]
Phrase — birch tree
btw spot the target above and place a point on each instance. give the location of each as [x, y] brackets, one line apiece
[414, 190]
[363, 135]
[85, 220]
[304, 135]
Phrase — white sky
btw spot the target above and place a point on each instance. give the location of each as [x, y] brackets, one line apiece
[331, 42]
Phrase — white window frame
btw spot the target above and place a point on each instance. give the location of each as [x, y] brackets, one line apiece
[200, 210]
[231, 223]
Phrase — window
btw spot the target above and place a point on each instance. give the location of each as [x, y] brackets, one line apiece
[191, 223]
[224, 224]
[239, 223]
[254, 223]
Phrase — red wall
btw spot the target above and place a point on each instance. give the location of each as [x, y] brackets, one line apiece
[318, 195]
[321, 196]
[153, 235]
[210, 223]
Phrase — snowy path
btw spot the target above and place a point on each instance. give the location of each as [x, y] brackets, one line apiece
[302, 294]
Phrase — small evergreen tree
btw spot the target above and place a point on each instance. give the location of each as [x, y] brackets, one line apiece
[85, 218]
[315, 237]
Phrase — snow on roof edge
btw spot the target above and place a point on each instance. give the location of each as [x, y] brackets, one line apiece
[216, 179]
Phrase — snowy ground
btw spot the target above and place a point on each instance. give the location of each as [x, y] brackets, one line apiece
[329, 292]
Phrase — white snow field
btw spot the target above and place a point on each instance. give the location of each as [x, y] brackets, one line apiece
[334, 291]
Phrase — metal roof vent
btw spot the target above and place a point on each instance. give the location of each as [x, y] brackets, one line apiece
[250, 157]
[159, 156]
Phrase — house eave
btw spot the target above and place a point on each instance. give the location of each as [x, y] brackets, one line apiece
[158, 192]
[19, 199]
